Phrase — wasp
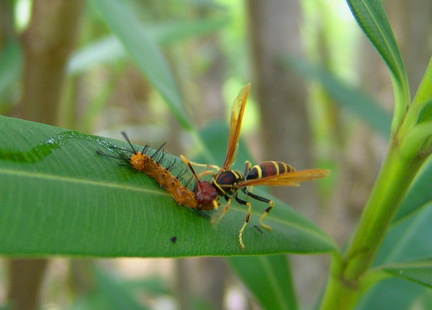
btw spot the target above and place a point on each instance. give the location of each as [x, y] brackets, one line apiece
[227, 183]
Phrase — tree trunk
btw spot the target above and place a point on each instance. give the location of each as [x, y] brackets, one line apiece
[47, 43]
[274, 31]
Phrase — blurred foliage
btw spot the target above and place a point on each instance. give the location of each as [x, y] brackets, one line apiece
[142, 66]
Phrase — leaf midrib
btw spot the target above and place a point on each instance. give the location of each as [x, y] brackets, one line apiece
[81, 181]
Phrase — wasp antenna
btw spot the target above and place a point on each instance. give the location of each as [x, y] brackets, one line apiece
[186, 161]
[128, 141]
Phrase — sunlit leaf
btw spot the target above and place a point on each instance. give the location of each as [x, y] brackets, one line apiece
[346, 96]
[426, 113]
[110, 48]
[59, 197]
[372, 19]
[144, 52]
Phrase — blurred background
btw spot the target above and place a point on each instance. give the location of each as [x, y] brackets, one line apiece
[68, 64]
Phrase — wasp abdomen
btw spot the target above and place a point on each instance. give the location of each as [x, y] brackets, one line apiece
[267, 169]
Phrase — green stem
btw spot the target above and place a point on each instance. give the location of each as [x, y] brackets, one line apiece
[390, 188]
[394, 180]
[339, 294]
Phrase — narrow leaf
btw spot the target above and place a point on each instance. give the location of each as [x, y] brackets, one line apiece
[408, 240]
[383, 295]
[417, 271]
[424, 91]
[59, 197]
[372, 20]
[144, 51]
[110, 49]
[268, 278]
[115, 292]
[418, 195]
[426, 112]
[346, 96]
[10, 65]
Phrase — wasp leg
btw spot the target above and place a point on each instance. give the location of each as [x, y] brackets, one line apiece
[210, 166]
[204, 173]
[201, 174]
[215, 204]
[247, 217]
[266, 211]
[247, 168]
[218, 216]
[240, 236]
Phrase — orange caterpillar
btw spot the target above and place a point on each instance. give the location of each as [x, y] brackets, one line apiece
[151, 166]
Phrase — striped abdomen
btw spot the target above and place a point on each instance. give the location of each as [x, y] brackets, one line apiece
[267, 169]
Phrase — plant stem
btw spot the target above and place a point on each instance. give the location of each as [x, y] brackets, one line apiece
[339, 294]
[394, 180]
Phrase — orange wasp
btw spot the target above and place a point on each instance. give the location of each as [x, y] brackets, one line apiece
[227, 183]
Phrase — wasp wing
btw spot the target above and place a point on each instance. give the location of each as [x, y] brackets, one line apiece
[287, 179]
[237, 112]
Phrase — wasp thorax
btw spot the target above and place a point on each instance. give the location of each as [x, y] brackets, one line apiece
[226, 181]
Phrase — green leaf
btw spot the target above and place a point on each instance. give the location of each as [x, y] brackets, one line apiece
[102, 51]
[426, 112]
[268, 278]
[407, 240]
[144, 52]
[173, 31]
[419, 272]
[115, 292]
[424, 91]
[383, 295]
[109, 49]
[421, 105]
[112, 291]
[10, 65]
[372, 20]
[419, 193]
[424, 300]
[346, 96]
[59, 197]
